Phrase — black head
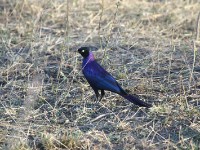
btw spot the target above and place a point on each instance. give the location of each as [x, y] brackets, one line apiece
[84, 51]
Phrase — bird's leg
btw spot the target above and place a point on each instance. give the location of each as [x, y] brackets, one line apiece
[102, 94]
[97, 94]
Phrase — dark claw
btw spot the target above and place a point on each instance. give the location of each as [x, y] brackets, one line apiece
[102, 94]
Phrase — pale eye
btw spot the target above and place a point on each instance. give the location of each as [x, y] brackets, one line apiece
[83, 51]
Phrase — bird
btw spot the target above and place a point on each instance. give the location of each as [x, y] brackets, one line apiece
[100, 80]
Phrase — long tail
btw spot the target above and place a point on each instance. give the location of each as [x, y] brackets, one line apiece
[136, 101]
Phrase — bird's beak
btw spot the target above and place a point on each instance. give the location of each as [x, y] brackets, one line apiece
[78, 51]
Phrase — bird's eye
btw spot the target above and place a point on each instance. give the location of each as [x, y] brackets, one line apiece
[83, 51]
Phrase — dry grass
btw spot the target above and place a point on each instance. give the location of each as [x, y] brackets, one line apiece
[151, 47]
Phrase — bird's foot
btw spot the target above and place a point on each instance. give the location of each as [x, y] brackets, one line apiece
[100, 98]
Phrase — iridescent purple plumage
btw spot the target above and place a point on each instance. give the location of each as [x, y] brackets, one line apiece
[100, 79]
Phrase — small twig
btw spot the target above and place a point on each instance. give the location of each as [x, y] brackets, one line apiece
[194, 60]
[198, 27]
[111, 28]
[100, 18]
[194, 48]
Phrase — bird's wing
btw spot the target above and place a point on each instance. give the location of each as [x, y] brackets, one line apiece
[99, 78]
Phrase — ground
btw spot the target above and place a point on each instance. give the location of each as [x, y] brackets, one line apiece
[151, 47]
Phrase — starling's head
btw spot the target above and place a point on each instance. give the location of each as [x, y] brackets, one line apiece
[84, 51]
